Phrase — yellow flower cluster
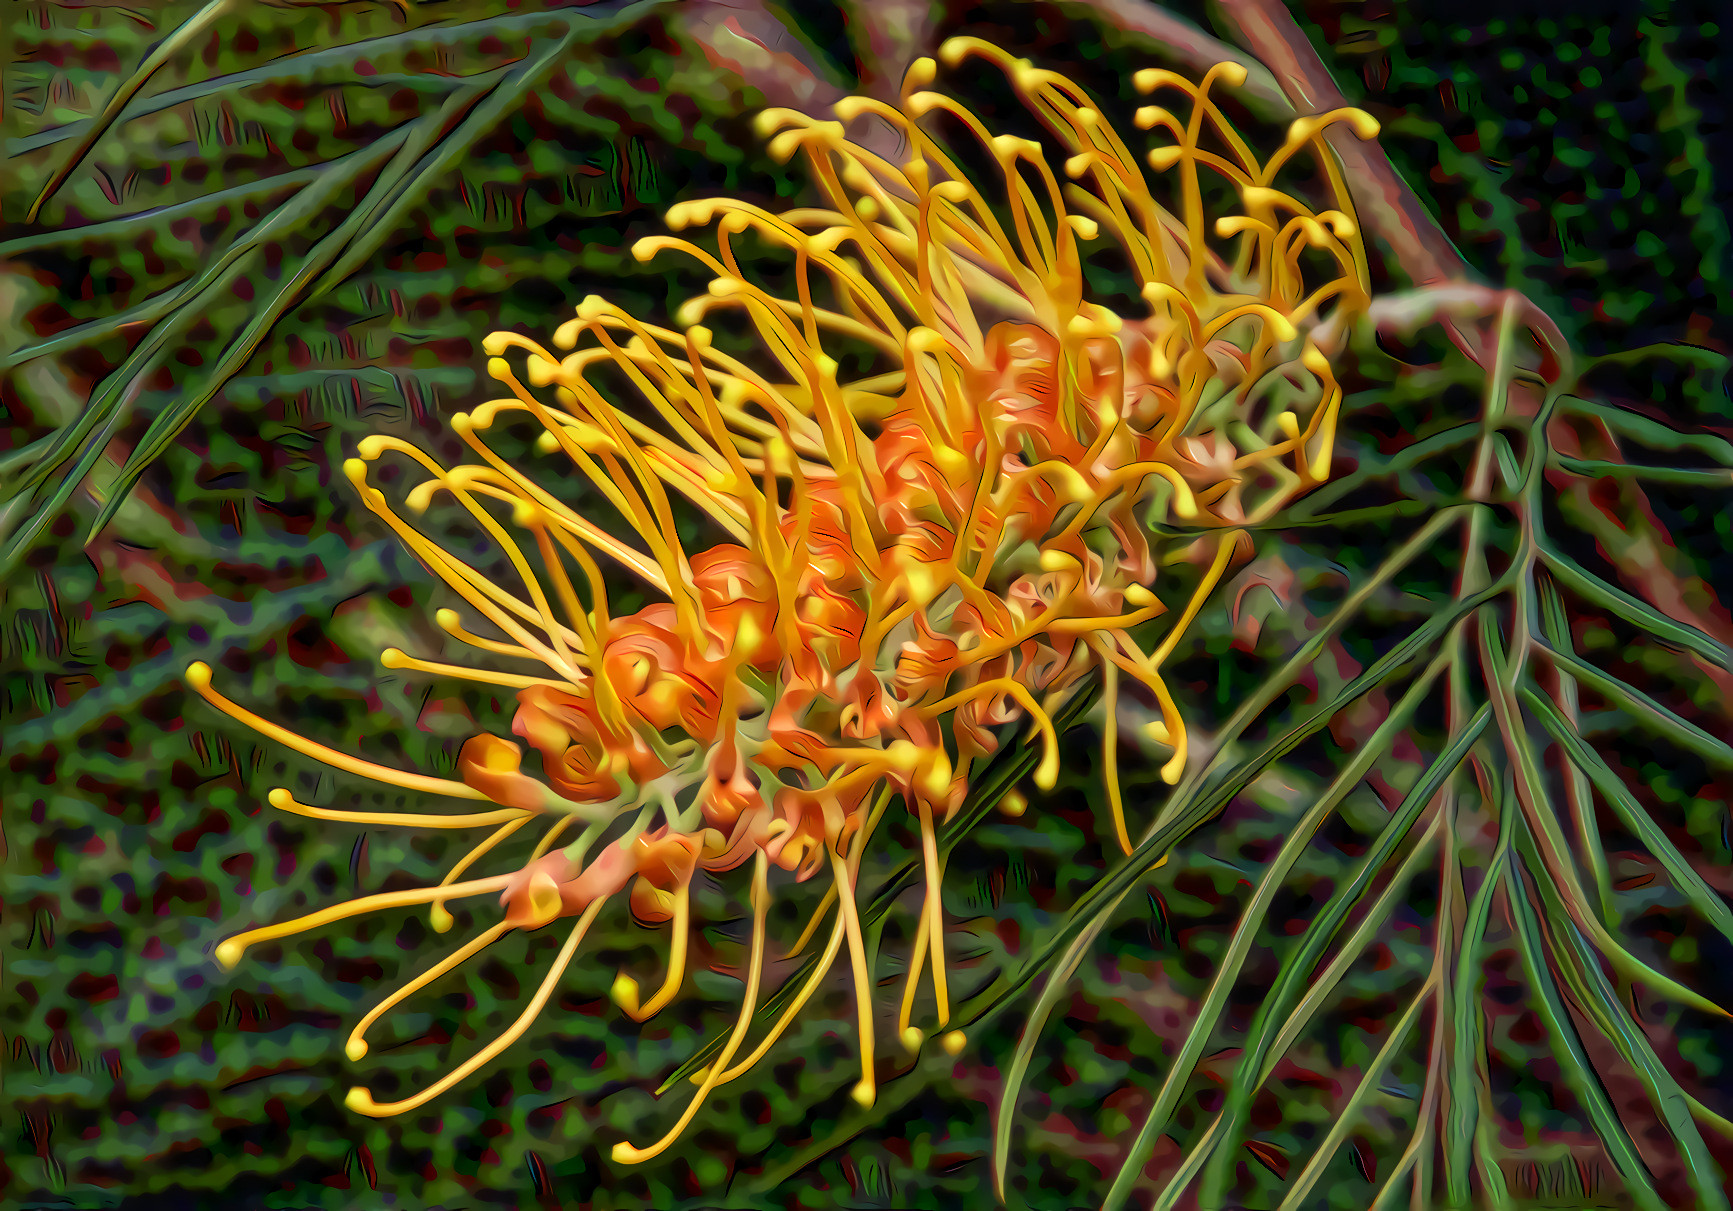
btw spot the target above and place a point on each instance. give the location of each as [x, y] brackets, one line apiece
[925, 477]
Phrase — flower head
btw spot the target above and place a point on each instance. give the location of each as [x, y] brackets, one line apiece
[926, 473]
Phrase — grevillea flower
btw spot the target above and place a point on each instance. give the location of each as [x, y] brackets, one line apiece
[926, 477]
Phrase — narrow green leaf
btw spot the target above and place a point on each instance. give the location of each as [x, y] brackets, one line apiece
[1188, 811]
[1688, 476]
[1252, 919]
[182, 37]
[1374, 467]
[1277, 1006]
[1602, 1004]
[1216, 1145]
[1633, 611]
[1555, 626]
[168, 424]
[183, 307]
[1057, 984]
[1617, 796]
[1651, 433]
[1467, 1026]
[1567, 1047]
[1644, 709]
[1537, 809]
[1349, 1112]
[1673, 351]
[1279, 681]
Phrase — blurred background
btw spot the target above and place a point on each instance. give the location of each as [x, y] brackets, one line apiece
[297, 232]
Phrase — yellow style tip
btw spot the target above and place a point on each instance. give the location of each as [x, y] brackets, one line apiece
[393, 658]
[441, 919]
[355, 1049]
[1047, 773]
[280, 798]
[1013, 804]
[1366, 127]
[954, 1042]
[229, 953]
[624, 1154]
[864, 1093]
[625, 993]
[199, 675]
[912, 1039]
[361, 1102]
[952, 51]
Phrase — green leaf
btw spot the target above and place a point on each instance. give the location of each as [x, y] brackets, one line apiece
[1295, 977]
[1467, 1026]
[1252, 919]
[1685, 476]
[1596, 995]
[1614, 792]
[1349, 1112]
[1645, 709]
[168, 48]
[1555, 625]
[1567, 1046]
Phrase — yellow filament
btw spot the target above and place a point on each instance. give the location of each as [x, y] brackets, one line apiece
[812, 925]
[826, 959]
[480, 592]
[377, 444]
[552, 835]
[624, 1153]
[1224, 552]
[591, 533]
[360, 1100]
[449, 622]
[199, 677]
[935, 913]
[1137, 665]
[1110, 745]
[230, 950]
[626, 988]
[282, 800]
[441, 919]
[909, 1035]
[356, 1045]
[1047, 772]
[866, 1090]
[396, 658]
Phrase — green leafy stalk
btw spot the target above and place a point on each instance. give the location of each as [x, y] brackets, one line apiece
[1251, 920]
[1277, 1006]
[1567, 1046]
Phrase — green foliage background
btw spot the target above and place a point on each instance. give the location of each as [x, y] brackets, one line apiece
[1568, 159]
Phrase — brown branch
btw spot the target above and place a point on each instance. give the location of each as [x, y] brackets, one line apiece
[746, 40]
[887, 36]
[1177, 41]
[1389, 208]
